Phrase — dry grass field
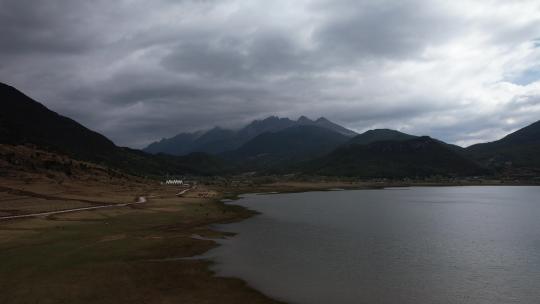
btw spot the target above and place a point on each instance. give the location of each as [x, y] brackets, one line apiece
[113, 255]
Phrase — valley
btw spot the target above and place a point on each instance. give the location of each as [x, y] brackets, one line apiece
[84, 221]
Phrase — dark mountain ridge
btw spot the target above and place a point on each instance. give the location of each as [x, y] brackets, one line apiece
[380, 135]
[273, 144]
[26, 121]
[413, 158]
[285, 147]
[218, 140]
[23, 120]
[520, 149]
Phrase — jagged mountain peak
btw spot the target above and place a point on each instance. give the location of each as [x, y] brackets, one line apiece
[233, 139]
[304, 119]
[325, 123]
[322, 119]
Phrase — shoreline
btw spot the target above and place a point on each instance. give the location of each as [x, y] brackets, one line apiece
[128, 247]
[122, 246]
[237, 195]
[261, 277]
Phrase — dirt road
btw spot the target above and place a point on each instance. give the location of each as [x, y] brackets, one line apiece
[140, 200]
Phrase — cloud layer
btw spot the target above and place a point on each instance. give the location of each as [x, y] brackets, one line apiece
[463, 71]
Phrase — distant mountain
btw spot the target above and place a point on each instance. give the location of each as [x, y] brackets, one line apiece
[178, 145]
[270, 124]
[416, 157]
[26, 121]
[218, 140]
[272, 144]
[520, 149]
[375, 135]
[215, 141]
[286, 147]
[380, 135]
[327, 124]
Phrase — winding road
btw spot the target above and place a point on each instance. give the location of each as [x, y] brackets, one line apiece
[141, 200]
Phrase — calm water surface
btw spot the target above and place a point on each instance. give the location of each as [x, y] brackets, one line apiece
[413, 245]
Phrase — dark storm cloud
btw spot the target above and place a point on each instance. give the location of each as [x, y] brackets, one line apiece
[137, 70]
[394, 30]
[44, 27]
[152, 108]
[255, 55]
[182, 94]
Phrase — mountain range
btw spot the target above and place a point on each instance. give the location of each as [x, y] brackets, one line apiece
[219, 140]
[302, 146]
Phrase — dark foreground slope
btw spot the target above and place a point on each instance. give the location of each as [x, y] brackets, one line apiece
[25, 121]
[417, 157]
[518, 150]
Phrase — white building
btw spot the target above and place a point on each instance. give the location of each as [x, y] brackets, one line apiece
[174, 182]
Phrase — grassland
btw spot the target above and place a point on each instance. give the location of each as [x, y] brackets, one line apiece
[113, 255]
[120, 255]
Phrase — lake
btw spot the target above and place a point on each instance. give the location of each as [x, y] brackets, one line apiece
[401, 245]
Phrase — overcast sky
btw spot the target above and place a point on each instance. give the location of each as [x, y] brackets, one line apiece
[137, 71]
